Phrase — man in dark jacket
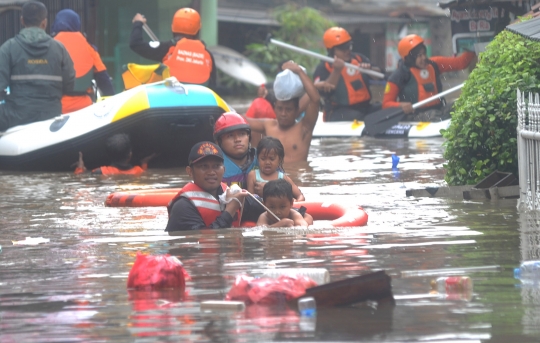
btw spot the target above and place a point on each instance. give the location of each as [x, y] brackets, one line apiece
[36, 68]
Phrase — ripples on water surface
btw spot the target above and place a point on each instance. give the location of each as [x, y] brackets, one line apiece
[73, 288]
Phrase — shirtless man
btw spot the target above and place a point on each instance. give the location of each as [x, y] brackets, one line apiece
[295, 136]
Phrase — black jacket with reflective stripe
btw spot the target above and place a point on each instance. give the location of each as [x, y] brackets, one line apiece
[38, 71]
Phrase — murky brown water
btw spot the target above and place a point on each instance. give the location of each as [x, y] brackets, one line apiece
[74, 287]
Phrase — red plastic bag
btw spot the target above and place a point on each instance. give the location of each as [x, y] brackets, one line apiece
[261, 108]
[157, 272]
[268, 291]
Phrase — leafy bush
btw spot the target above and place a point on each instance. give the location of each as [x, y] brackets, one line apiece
[482, 135]
[303, 27]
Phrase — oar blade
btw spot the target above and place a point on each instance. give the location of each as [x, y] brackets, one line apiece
[380, 121]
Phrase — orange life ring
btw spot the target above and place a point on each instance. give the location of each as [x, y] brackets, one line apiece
[339, 215]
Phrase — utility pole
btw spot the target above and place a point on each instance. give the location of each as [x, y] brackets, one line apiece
[209, 30]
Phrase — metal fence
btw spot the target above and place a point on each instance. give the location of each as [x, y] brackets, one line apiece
[528, 140]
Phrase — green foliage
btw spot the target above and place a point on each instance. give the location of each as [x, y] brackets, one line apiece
[303, 27]
[482, 135]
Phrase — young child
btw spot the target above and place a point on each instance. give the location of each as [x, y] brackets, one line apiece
[119, 150]
[270, 153]
[278, 198]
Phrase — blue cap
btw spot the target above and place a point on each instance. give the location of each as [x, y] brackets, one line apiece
[308, 312]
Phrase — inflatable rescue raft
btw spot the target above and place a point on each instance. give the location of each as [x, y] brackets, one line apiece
[165, 118]
[356, 128]
[338, 215]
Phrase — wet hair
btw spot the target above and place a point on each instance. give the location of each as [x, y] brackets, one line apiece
[279, 188]
[33, 13]
[119, 147]
[270, 143]
[410, 59]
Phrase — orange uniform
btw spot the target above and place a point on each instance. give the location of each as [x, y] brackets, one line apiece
[414, 85]
[86, 61]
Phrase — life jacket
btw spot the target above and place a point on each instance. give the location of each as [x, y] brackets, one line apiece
[208, 206]
[236, 175]
[351, 88]
[189, 61]
[136, 74]
[422, 84]
[85, 63]
[110, 170]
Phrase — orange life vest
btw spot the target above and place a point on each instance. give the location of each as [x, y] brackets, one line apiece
[208, 206]
[423, 84]
[86, 60]
[189, 61]
[353, 83]
[109, 170]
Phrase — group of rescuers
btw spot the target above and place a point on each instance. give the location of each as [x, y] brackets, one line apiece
[47, 76]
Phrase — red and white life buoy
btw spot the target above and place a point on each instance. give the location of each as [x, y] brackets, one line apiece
[339, 215]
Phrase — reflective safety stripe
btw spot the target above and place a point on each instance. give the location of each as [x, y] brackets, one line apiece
[206, 204]
[194, 194]
[36, 77]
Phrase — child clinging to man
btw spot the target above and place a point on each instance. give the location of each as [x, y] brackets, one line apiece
[278, 199]
[270, 154]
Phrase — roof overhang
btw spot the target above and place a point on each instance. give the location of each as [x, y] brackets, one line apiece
[264, 17]
[459, 3]
[529, 29]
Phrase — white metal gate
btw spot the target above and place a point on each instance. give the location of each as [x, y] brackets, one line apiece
[528, 140]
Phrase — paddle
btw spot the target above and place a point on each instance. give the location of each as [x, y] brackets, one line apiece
[380, 121]
[269, 39]
[230, 62]
[150, 33]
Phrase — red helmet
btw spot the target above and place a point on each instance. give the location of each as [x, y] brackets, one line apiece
[407, 43]
[335, 36]
[187, 21]
[228, 122]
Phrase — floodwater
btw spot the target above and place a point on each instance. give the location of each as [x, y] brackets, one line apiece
[73, 288]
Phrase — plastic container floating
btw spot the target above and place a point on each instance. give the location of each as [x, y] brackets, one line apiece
[308, 313]
[452, 284]
[319, 275]
[528, 270]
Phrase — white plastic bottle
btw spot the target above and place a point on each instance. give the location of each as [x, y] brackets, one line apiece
[528, 270]
[308, 314]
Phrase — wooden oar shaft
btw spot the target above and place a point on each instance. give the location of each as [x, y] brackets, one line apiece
[324, 58]
[437, 96]
[150, 33]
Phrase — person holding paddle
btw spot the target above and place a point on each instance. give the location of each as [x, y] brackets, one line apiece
[185, 55]
[418, 78]
[345, 90]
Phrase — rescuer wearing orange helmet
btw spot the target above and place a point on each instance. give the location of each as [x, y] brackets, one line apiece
[418, 77]
[185, 55]
[345, 90]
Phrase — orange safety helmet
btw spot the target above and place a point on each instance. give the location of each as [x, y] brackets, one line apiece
[335, 36]
[228, 122]
[407, 43]
[186, 21]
